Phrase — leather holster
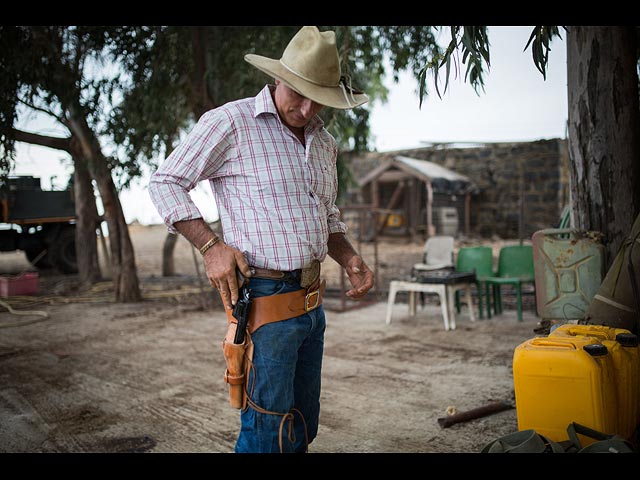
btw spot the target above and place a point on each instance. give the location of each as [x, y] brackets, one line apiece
[274, 308]
[238, 358]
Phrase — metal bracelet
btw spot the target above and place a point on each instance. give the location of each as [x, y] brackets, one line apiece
[209, 244]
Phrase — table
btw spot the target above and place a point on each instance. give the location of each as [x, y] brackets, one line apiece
[444, 283]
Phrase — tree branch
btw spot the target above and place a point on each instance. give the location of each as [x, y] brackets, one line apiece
[43, 110]
[42, 140]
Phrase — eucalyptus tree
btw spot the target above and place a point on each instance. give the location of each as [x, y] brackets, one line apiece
[56, 71]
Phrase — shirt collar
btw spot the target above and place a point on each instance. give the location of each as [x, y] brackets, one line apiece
[264, 104]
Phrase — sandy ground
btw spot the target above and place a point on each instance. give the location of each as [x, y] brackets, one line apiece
[96, 376]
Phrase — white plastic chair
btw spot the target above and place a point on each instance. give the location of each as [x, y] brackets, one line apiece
[438, 253]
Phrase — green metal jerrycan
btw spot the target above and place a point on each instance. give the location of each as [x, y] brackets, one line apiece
[569, 267]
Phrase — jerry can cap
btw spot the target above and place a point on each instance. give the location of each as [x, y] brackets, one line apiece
[627, 339]
[596, 349]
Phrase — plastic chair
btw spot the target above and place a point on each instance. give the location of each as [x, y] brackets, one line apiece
[445, 283]
[438, 253]
[479, 260]
[515, 267]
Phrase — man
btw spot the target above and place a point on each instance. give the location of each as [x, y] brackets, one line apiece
[272, 169]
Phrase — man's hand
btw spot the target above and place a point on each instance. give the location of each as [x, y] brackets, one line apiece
[360, 276]
[222, 264]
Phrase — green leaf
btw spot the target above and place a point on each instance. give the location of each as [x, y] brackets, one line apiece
[447, 72]
[422, 81]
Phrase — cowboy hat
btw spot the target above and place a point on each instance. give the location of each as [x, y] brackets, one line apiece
[310, 66]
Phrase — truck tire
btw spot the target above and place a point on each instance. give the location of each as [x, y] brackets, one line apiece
[63, 251]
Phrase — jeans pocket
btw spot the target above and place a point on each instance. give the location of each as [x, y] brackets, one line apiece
[264, 287]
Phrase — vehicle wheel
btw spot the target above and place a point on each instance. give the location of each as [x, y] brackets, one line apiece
[34, 255]
[63, 251]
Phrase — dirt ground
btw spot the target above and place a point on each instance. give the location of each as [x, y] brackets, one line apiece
[80, 373]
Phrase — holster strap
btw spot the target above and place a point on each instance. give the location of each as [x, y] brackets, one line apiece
[233, 379]
[283, 306]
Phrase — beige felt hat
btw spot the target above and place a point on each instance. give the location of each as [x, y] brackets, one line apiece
[310, 65]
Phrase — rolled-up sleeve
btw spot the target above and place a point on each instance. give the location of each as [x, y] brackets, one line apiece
[334, 217]
[197, 158]
[336, 225]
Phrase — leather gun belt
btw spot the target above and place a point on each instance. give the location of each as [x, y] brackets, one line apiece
[275, 308]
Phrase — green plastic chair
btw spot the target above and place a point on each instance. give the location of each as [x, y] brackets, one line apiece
[479, 260]
[515, 267]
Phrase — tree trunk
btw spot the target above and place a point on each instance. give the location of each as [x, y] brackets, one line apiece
[86, 224]
[168, 265]
[123, 267]
[604, 131]
[200, 99]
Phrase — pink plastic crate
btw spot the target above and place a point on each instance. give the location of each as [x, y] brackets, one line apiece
[23, 284]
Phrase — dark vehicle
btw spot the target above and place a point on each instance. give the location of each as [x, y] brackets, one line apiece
[39, 222]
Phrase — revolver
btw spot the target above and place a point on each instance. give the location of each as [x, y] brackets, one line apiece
[241, 313]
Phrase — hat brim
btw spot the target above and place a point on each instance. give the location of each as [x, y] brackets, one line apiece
[334, 97]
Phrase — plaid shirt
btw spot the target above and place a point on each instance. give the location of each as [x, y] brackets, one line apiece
[276, 199]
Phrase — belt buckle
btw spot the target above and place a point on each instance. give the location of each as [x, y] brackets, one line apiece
[315, 294]
[310, 274]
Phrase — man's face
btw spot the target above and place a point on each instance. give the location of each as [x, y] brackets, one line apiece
[294, 109]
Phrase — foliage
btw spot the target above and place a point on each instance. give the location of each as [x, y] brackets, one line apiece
[155, 93]
[160, 98]
[365, 53]
[473, 43]
[11, 40]
[137, 85]
[540, 41]
[52, 70]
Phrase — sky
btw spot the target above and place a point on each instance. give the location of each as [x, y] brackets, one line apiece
[517, 104]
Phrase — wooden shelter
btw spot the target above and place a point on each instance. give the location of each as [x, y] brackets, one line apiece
[407, 191]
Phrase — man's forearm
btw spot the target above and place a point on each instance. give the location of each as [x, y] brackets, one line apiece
[197, 231]
[340, 249]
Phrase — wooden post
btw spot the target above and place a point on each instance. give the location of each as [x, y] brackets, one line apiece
[467, 213]
[431, 231]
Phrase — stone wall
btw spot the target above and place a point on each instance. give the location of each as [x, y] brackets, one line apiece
[528, 179]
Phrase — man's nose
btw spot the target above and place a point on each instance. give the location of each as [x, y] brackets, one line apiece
[307, 108]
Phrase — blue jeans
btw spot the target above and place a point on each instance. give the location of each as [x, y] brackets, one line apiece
[287, 360]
